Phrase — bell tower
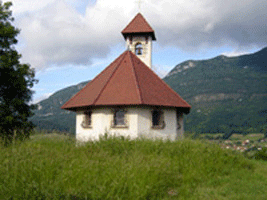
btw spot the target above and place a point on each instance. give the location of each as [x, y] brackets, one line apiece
[139, 36]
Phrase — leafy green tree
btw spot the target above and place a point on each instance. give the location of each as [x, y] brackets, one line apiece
[16, 81]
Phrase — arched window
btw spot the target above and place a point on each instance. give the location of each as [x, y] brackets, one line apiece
[138, 49]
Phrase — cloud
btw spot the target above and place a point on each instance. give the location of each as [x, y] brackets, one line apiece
[236, 52]
[60, 32]
[57, 35]
[211, 23]
[26, 6]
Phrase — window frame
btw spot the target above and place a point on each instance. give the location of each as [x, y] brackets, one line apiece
[87, 119]
[161, 122]
[125, 120]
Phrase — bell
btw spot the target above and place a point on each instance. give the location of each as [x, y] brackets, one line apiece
[139, 51]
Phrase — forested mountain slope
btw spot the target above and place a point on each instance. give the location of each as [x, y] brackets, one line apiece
[225, 92]
[50, 116]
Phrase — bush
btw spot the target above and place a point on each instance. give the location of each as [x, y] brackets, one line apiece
[261, 154]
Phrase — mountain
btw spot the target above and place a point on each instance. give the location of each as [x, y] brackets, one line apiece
[50, 116]
[224, 92]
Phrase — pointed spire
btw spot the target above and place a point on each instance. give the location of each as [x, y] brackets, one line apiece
[138, 26]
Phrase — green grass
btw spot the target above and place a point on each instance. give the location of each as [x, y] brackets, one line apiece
[54, 167]
[234, 137]
[252, 136]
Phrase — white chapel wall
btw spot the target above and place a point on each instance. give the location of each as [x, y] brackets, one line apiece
[145, 124]
[99, 125]
[130, 130]
[139, 124]
[102, 123]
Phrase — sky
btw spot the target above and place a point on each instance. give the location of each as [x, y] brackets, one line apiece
[71, 41]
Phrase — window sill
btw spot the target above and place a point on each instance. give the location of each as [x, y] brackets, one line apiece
[158, 127]
[86, 126]
[119, 126]
[161, 126]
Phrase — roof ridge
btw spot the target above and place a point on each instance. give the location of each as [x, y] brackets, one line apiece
[170, 89]
[136, 17]
[111, 75]
[127, 81]
[136, 80]
[145, 20]
[138, 25]
[87, 85]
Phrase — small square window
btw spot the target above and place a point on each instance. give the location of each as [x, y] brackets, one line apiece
[119, 118]
[158, 119]
[87, 120]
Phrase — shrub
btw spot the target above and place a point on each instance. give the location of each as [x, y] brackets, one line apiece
[261, 154]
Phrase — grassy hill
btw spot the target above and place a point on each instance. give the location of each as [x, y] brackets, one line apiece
[226, 94]
[54, 167]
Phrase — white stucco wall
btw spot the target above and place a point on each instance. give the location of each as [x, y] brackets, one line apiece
[145, 124]
[131, 129]
[139, 124]
[102, 123]
[146, 57]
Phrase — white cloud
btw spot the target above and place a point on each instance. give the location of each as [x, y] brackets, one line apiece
[193, 24]
[57, 32]
[236, 53]
[22, 6]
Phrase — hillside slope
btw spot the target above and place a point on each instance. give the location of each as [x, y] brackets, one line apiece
[226, 93]
[50, 116]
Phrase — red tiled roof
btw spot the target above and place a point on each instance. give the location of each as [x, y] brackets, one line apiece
[126, 81]
[138, 26]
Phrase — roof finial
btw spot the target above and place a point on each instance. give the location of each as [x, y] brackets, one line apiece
[139, 4]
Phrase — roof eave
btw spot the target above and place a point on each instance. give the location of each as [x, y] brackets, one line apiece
[184, 109]
[152, 34]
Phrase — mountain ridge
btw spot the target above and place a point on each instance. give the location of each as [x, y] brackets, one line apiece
[225, 85]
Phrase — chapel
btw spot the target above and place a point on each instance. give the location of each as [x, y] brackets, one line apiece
[127, 98]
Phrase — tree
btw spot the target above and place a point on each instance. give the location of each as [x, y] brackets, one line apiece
[264, 130]
[16, 81]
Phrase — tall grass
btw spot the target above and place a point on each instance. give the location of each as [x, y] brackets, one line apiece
[116, 168]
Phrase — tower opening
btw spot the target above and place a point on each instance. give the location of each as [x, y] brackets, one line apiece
[138, 49]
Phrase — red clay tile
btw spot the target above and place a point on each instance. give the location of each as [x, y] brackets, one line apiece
[127, 81]
[138, 26]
